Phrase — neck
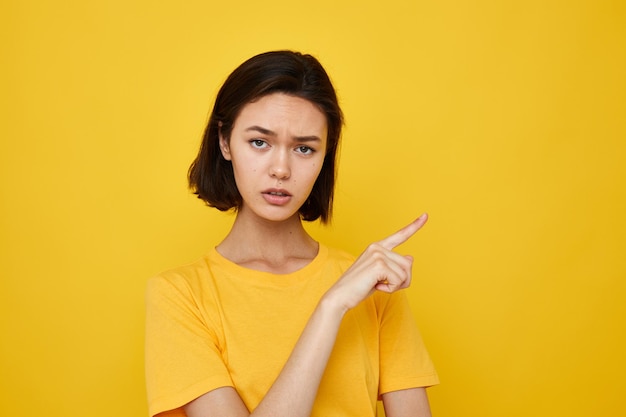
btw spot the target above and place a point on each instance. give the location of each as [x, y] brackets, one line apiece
[279, 247]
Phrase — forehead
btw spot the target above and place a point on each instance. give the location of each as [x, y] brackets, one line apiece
[283, 113]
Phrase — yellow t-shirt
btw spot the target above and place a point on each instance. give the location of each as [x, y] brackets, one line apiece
[214, 323]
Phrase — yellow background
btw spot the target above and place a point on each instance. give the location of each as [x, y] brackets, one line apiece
[504, 120]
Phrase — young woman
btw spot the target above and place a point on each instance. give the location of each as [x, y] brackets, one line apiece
[271, 322]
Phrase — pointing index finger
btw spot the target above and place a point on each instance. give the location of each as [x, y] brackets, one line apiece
[404, 234]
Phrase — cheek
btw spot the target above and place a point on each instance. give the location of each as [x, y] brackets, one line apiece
[313, 172]
[244, 167]
[317, 167]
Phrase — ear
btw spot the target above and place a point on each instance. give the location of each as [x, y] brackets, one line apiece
[224, 147]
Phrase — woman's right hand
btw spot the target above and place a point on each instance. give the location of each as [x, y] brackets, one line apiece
[377, 268]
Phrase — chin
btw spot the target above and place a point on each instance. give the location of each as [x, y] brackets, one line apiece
[277, 216]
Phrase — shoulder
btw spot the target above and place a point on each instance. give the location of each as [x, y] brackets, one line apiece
[333, 261]
[183, 280]
[340, 256]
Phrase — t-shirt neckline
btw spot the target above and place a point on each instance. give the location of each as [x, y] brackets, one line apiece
[217, 259]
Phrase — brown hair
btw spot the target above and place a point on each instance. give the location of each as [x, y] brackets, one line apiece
[211, 176]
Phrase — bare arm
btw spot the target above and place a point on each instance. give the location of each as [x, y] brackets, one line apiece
[407, 403]
[294, 391]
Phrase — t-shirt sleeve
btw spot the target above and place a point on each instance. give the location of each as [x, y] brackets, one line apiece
[404, 360]
[183, 355]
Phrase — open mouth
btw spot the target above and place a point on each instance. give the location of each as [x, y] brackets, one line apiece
[277, 197]
[277, 192]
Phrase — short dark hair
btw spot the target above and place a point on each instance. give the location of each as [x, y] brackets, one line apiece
[211, 176]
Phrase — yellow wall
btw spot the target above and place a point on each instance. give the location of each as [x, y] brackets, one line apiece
[504, 120]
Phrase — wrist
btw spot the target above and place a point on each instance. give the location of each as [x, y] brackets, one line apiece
[331, 304]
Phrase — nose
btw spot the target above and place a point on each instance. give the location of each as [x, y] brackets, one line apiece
[279, 165]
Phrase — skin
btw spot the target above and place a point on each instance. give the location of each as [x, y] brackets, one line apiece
[278, 143]
[271, 146]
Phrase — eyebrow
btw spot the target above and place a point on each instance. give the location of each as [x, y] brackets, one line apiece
[264, 131]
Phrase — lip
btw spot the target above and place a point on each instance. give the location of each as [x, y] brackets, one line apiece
[276, 196]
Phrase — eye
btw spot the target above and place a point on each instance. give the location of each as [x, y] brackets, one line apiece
[305, 150]
[258, 143]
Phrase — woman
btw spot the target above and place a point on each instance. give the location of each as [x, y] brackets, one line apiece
[270, 322]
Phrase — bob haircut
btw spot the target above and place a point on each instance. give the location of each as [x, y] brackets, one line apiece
[211, 176]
